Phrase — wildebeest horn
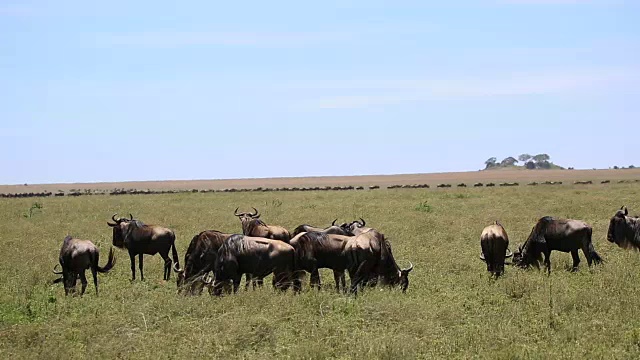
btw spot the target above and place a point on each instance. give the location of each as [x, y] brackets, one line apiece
[407, 270]
[481, 255]
[236, 212]
[56, 272]
[626, 212]
[508, 254]
[333, 223]
[362, 223]
[130, 216]
[177, 269]
[113, 217]
[256, 212]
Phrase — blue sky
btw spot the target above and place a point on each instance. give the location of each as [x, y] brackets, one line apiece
[152, 90]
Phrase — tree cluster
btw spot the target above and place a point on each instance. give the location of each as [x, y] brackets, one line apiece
[540, 161]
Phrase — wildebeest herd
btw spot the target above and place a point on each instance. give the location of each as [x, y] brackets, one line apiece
[218, 260]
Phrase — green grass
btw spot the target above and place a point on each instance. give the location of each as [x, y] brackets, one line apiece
[453, 309]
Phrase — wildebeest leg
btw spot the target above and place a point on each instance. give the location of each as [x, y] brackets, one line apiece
[132, 257]
[315, 278]
[74, 280]
[236, 283]
[83, 280]
[66, 281]
[337, 275]
[547, 261]
[167, 266]
[361, 275]
[576, 259]
[140, 264]
[247, 282]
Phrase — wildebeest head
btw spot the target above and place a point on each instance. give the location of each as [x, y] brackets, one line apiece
[624, 230]
[247, 215]
[355, 225]
[120, 229]
[393, 274]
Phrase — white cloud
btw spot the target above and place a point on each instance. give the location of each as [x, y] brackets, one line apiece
[565, 82]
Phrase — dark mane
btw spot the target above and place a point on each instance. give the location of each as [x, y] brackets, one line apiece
[389, 268]
[249, 226]
[634, 227]
[530, 252]
[235, 245]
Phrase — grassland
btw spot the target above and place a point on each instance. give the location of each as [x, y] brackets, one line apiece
[451, 310]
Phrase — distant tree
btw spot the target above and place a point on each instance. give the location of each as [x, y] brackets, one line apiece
[530, 165]
[631, 167]
[510, 161]
[491, 162]
[524, 158]
[541, 158]
[616, 167]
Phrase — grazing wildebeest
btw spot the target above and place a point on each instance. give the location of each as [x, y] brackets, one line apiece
[318, 249]
[76, 256]
[140, 239]
[240, 254]
[253, 226]
[341, 229]
[369, 258]
[624, 230]
[565, 235]
[199, 259]
[494, 242]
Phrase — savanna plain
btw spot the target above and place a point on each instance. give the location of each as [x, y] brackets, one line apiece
[452, 309]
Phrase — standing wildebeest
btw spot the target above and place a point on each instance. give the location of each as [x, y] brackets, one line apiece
[240, 254]
[76, 256]
[369, 258]
[624, 230]
[142, 239]
[565, 235]
[318, 249]
[253, 226]
[494, 242]
[199, 259]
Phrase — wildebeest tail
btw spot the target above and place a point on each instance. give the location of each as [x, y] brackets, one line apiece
[174, 254]
[111, 262]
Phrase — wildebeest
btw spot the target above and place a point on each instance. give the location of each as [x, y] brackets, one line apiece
[240, 254]
[565, 235]
[199, 259]
[624, 230]
[76, 256]
[140, 239]
[494, 242]
[318, 249]
[253, 226]
[341, 229]
[369, 259]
